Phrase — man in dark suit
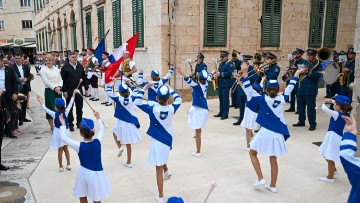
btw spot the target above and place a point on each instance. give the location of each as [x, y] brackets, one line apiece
[4, 117]
[71, 74]
[8, 84]
[23, 72]
[224, 76]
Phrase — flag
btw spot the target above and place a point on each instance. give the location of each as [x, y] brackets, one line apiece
[100, 49]
[116, 58]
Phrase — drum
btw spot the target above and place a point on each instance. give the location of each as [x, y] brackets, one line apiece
[331, 71]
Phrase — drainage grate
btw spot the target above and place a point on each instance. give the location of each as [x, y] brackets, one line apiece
[317, 143]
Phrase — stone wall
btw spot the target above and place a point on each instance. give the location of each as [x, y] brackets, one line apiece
[356, 89]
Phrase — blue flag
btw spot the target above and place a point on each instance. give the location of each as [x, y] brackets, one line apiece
[100, 50]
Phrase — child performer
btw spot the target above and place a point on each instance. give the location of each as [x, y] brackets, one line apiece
[350, 162]
[198, 112]
[56, 138]
[91, 180]
[330, 147]
[158, 82]
[126, 130]
[270, 139]
[160, 130]
[250, 115]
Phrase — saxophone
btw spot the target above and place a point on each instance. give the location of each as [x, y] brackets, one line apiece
[290, 71]
[214, 79]
[344, 76]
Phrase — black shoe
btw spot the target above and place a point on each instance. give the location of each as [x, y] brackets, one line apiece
[26, 120]
[88, 95]
[218, 115]
[255, 131]
[108, 104]
[298, 125]
[104, 103]
[296, 112]
[232, 106]
[224, 118]
[3, 168]
[97, 99]
[77, 126]
[11, 136]
[92, 98]
[20, 123]
[237, 123]
[236, 107]
[290, 110]
[71, 128]
[312, 128]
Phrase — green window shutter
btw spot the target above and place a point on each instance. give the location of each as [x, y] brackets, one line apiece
[331, 23]
[116, 7]
[271, 23]
[316, 23]
[74, 39]
[43, 42]
[215, 33]
[45, 35]
[60, 40]
[138, 20]
[88, 30]
[101, 26]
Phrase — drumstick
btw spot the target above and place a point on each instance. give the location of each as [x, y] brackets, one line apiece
[212, 186]
[79, 83]
[91, 108]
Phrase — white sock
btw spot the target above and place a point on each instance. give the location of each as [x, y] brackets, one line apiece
[89, 90]
[107, 98]
[96, 93]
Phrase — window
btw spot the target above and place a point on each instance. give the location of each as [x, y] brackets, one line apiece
[138, 21]
[2, 25]
[215, 33]
[1, 3]
[317, 20]
[316, 23]
[26, 24]
[116, 7]
[271, 23]
[88, 30]
[100, 13]
[331, 23]
[25, 3]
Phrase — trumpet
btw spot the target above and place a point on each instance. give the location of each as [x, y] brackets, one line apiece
[214, 79]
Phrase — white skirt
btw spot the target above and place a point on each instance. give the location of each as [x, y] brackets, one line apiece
[269, 143]
[249, 120]
[56, 141]
[197, 117]
[92, 184]
[159, 153]
[330, 147]
[126, 133]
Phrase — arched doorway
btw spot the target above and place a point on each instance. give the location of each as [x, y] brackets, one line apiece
[72, 26]
[59, 33]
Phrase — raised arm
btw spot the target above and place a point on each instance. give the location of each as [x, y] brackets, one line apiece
[290, 87]
[68, 108]
[333, 114]
[350, 162]
[42, 103]
[100, 134]
[138, 99]
[177, 100]
[168, 75]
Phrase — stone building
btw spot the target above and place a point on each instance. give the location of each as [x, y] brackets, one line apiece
[176, 30]
[16, 26]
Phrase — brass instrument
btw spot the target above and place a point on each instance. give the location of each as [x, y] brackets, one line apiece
[290, 71]
[310, 69]
[263, 67]
[214, 79]
[194, 75]
[125, 66]
[344, 75]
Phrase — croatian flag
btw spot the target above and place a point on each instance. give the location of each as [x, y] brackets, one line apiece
[116, 58]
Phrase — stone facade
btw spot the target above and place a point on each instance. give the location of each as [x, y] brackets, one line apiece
[174, 29]
[356, 93]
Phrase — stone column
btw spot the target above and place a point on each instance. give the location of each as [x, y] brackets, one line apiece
[356, 85]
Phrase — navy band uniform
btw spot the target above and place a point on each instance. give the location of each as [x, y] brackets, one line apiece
[234, 91]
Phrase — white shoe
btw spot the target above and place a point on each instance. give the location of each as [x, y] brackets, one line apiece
[68, 167]
[246, 148]
[159, 199]
[128, 165]
[167, 175]
[271, 189]
[259, 183]
[61, 169]
[121, 150]
[336, 173]
[326, 180]
[198, 155]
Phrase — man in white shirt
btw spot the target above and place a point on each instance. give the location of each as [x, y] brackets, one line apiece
[92, 74]
[105, 64]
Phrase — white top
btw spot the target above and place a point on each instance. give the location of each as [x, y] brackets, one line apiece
[80, 59]
[76, 144]
[51, 77]
[21, 70]
[93, 58]
[2, 78]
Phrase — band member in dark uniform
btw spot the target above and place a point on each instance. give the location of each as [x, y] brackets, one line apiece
[349, 74]
[200, 65]
[234, 91]
[224, 77]
[273, 71]
[308, 90]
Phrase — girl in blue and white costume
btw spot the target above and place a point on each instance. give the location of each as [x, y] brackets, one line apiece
[198, 112]
[126, 130]
[251, 112]
[156, 80]
[270, 139]
[350, 162]
[91, 180]
[330, 147]
[56, 142]
[161, 129]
